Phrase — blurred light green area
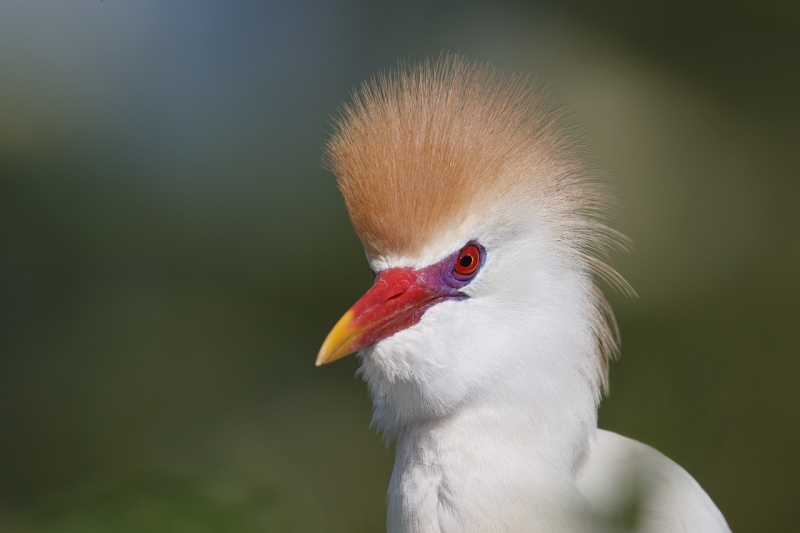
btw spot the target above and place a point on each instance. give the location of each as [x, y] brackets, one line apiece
[172, 254]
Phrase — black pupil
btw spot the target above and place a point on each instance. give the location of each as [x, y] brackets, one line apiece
[466, 261]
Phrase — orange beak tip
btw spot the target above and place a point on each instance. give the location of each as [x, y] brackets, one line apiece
[337, 341]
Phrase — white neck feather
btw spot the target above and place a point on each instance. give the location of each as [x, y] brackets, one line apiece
[513, 457]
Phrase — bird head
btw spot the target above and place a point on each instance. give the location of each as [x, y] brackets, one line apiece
[483, 228]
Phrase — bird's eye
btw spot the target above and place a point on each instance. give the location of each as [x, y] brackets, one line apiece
[468, 262]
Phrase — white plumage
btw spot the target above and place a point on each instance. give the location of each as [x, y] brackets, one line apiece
[485, 341]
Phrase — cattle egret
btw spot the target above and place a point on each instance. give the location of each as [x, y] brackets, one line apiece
[484, 341]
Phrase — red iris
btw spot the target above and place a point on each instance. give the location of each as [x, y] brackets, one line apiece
[468, 262]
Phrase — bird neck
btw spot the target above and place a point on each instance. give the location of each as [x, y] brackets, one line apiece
[462, 469]
[550, 419]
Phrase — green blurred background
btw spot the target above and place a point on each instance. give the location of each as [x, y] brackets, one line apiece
[172, 253]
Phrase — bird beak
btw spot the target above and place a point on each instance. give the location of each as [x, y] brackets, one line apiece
[397, 300]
